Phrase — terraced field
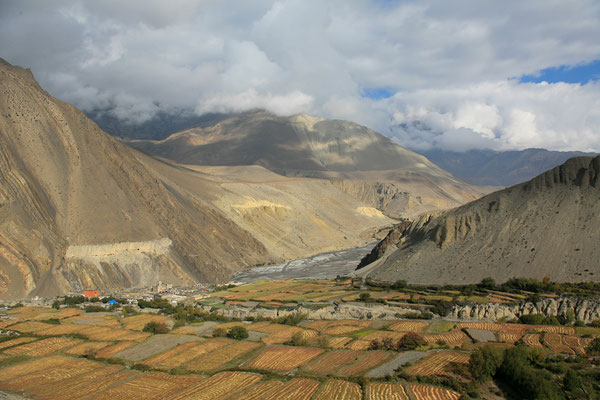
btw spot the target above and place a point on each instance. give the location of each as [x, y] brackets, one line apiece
[427, 392]
[284, 358]
[386, 391]
[336, 389]
[438, 363]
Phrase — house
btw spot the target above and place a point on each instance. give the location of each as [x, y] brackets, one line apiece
[90, 293]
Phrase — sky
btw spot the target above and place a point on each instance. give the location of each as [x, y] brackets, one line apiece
[454, 75]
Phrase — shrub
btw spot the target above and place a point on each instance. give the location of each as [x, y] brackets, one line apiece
[53, 321]
[487, 283]
[399, 284]
[156, 327]
[410, 341]
[364, 297]
[94, 309]
[291, 319]
[594, 347]
[297, 340]
[484, 362]
[237, 333]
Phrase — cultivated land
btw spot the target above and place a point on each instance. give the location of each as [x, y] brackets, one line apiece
[50, 354]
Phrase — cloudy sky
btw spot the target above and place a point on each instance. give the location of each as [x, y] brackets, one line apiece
[448, 74]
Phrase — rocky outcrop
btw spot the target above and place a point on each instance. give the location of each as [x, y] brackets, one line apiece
[586, 310]
[393, 237]
[547, 227]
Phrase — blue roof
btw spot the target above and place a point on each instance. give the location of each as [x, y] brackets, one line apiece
[112, 302]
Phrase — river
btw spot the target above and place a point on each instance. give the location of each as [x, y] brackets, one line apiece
[320, 266]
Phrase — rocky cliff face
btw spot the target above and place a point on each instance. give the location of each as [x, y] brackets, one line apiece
[547, 227]
[586, 310]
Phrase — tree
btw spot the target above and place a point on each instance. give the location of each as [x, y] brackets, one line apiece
[410, 341]
[399, 284]
[594, 347]
[237, 333]
[484, 362]
[156, 327]
[365, 297]
[487, 283]
[296, 340]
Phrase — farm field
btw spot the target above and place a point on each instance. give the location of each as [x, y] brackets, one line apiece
[70, 354]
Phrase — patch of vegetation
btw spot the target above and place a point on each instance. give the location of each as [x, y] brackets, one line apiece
[291, 319]
[440, 327]
[297, 339]
[363, 333]
[91, 309]
[237, 333]
[51, 321]
[156, 327]
[5, 362]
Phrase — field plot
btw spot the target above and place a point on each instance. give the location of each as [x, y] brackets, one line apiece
[149, 386]
[368, 361]
[185, 353]
[43, 347]
[283, 336]
[342, 390]
[219, 386]
[64, 313]
[380, 335]
[486, 326]
[555, 342]
[338, 342]
[6, 322]
[16, 341]
[222, 356]
[137, 322]
[385, 391]
[331, 361]
[359, 345]
[482, 335]
[110, 351]
[35, 381]
[30, 327]
[426, 392]
[453, 339]
[514, 328]
[438, 363]
[258, 391]
[341, 330]
[296, 389]
[26, 312]
[409, 326]
[87, 348]
[576, 343]
[228, 325]
[565, 330]
[77, 387]
[284, 358]
[62, 329]
[53, 380]
[267, 327]
[98, 385]
[509, 337]
[30, 367]
[533, 340]
[389, 367]
[325, 324]
[103, 333]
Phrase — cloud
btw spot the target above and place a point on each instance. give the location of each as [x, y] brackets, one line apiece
[449, 65]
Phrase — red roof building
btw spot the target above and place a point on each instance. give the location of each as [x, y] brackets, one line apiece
[91, 293]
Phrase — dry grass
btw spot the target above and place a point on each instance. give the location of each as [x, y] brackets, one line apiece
[137, 322]
[454, 338]
[486, 326]
[185, 353]
[533, 340]
[409, 326]
[556, 343]
[359, 345]
[110, 351]
[16, 341]
[30, 367]
[258, 391]
[87, 348]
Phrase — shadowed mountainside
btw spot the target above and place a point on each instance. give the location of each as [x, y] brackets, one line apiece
[359, 161]
[546, 227]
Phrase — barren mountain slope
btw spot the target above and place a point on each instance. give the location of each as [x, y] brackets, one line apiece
[79, 209]
[359, 161]
[549, 226]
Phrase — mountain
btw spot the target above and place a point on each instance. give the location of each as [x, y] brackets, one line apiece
[80, 209]
[357, 160]
[546, 227]
[499, 168]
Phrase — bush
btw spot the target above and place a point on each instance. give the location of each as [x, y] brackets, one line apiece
[442, 308]
[53, 321]
[399, 284]
[237, 333]
[594, 347]
[410, 341]
[291, 319]
[156, 327]
[487, 283]
[297, 340]
[94, 309]
[484, 362]
[364, 297]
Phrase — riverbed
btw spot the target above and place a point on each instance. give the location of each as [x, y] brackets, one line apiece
[320, 266]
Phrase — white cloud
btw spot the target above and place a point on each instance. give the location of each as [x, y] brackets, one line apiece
[450, 63]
